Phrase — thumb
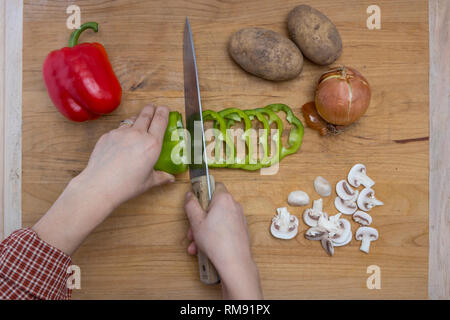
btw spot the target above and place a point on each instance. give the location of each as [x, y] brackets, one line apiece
[194, 211]
[159, 178]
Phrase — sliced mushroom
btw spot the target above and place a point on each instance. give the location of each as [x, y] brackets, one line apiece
[298, 198]
[363, 218]
[328, 246]
[367, 200]
[284, 225]
[345, 191]
[345, 206]
[316, 233]
[366, 235]
[311, 216]
[344, 236]
[345, 241]
[331, 224]
[358, 176]
[322, 186]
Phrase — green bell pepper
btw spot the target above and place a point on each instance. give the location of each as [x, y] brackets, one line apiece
[174, 153]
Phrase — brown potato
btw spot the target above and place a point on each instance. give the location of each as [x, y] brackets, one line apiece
[315, 35]
[266, 54]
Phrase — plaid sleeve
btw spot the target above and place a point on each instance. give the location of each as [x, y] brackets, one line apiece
[32, 269]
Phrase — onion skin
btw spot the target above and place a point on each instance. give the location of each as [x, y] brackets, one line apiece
[342, 96]
[312, 118]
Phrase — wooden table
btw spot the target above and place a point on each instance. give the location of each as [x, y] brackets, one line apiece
[140, 250]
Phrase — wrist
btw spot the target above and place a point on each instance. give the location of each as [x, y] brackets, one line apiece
[86, 189]
[240, 279]
[75, 214]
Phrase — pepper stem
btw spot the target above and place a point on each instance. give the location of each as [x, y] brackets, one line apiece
[73, 41]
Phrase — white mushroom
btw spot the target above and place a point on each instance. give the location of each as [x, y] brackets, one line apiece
[345, 206]
[322, 186]
[311, 216]
[330, 224]
[328, 246]
[298, 198]
[284, 225]
[344, 236]
[366, 235]
[344, 242]
[367, 200]
[317, 233]
[363, 218]
[358, 176]
[345, 191]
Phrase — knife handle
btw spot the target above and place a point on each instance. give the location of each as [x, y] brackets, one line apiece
[208, 273]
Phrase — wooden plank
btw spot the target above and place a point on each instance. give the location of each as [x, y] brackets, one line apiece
[10, 115]
[140, 250]
[439, 259]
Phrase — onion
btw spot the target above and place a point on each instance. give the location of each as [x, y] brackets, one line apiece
[342, 96]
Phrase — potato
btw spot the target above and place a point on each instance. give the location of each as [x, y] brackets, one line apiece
[315, 35]
[266, 54]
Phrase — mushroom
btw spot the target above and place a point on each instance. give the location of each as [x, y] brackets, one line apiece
[284, 225]
[363, 218]
[345, 191]
[366, 235]
[357, 176]
[318, 233]
[322, 186]
[328, 246]
[330, 224]
[367, 200]
[345, 206]
[311, 216]
[298, 198]
[344, 236]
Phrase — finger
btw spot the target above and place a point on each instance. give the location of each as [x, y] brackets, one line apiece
[192, 248]
[190, 235]
[193, 209]
[144, 119]
[159, 123]
[158, 178]
[219, 190]
[220, 187]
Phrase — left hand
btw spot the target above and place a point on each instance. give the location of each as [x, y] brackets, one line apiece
[120, 168]
[121, 165]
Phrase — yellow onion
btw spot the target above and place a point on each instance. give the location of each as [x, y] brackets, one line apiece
[342, 96]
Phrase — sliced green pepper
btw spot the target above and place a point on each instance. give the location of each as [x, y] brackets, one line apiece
[295, 135]
[237, 115]
[173, 158]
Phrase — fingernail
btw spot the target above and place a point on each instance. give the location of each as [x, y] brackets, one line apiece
[188, 195]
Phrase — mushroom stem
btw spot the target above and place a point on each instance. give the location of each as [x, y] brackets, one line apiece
[376, 202]
[365, 244]
[365, 180]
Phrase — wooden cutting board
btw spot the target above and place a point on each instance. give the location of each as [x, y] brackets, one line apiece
[140, 250]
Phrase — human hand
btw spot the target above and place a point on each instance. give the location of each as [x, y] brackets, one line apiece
[222, 234]
[121, 164]
[120, 167]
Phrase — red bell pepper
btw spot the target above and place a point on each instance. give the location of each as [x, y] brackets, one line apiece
[80, 80]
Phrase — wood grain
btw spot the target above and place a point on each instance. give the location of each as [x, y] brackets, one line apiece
[140, 250]
[10, 115]
[439, 260]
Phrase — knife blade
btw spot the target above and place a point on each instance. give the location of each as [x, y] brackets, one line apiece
[202, 182]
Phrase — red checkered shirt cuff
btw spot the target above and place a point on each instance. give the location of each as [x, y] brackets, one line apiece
[32, 269]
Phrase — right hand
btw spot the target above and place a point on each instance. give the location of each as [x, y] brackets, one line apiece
[222, 234]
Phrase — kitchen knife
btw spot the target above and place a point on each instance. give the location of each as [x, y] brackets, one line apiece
[202, 182]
